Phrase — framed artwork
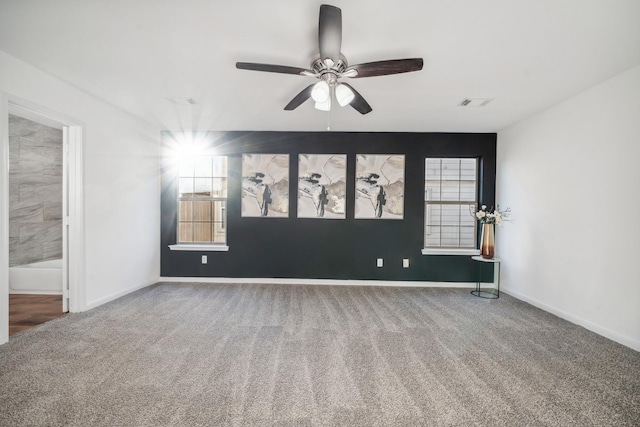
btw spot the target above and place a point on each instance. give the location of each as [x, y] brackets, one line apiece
[265, 185]
[322, 185]
[379, 186]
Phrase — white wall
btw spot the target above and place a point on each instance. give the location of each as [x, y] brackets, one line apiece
[121, 182]
[571, 175]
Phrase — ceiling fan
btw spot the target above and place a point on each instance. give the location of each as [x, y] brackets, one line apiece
[330, 65]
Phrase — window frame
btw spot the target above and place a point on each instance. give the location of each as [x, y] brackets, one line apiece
[223, 197]
[445, 250]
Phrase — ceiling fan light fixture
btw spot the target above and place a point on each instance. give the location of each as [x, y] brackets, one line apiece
[344, 95]
[324, 106]
[320, 92]
[329, 65]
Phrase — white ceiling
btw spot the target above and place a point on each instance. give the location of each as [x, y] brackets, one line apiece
[526, 54]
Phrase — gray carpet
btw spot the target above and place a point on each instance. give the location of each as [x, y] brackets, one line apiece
[263, 355]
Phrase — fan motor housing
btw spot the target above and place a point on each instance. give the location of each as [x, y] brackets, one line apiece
[321, 66]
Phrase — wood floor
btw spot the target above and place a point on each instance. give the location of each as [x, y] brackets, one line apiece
[27, 311]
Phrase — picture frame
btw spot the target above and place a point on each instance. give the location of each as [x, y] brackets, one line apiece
[322, 186]
[379, 186]
[265, 185]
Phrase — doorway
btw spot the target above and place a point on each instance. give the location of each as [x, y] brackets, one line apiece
[40, 219]
[36, 197]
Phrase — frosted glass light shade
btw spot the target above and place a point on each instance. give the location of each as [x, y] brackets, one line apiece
[324, 106]
[344, 95]
[320, 92]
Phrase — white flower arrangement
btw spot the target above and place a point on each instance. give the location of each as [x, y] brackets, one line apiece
[492, 216]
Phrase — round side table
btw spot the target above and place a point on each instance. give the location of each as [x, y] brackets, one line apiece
[489, 293]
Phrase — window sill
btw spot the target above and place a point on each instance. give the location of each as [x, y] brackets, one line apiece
[200, 248]
[442, 251]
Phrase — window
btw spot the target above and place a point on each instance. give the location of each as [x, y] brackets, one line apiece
[450, 199]
[202, 201]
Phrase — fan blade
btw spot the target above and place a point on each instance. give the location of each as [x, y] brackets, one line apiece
[330, 32]
[358, 101]
[300, 98]
[270, 68]
[383, 68]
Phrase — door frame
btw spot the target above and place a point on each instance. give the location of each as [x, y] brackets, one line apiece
[74, 204]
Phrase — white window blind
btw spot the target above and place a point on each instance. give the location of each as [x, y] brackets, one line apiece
[450, 198]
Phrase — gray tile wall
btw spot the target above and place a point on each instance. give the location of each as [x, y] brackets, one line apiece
[35, 192]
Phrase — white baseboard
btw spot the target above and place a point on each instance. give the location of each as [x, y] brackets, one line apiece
[332, 282]
[607, 333]
[98, 302]
[20, 292]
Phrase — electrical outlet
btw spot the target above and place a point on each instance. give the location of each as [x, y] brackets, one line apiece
[379, 262]
[204, 259]
[405, 263]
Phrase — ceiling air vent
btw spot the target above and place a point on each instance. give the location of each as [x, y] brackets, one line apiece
[475, 102]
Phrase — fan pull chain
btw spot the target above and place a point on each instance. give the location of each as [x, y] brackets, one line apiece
[329, 120]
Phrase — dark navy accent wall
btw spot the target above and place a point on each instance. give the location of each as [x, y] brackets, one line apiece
[323, 248]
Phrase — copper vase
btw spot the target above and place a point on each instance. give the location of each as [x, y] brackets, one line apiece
[487, 241]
